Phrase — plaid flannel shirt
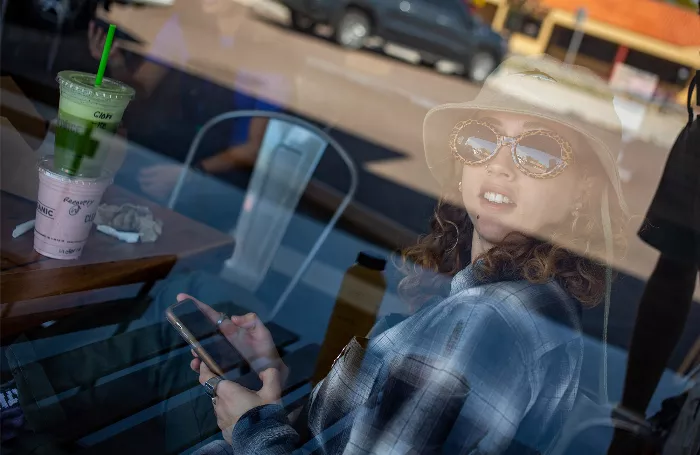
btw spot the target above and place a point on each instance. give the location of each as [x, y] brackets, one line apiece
[493, 368]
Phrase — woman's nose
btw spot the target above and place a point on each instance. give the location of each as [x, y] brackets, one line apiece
[502, 164]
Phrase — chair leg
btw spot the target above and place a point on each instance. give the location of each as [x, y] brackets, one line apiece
[142, 296]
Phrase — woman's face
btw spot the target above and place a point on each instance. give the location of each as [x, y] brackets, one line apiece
[533, 206]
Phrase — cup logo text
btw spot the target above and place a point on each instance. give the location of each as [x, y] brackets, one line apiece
[69, 251]
[44, 210]
[102, 115]
[77, 205]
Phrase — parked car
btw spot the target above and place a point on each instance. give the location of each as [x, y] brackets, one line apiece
[437, 29]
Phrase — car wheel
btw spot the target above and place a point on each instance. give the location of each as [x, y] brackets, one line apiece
[302, 22]
[481, 66]
[352, 29]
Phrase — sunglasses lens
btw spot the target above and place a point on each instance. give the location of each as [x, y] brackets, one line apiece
[475, 143]
[539, 154]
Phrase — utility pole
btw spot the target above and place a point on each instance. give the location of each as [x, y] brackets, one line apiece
[577, 37]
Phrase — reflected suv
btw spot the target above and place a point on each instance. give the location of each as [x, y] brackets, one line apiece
[437, 29]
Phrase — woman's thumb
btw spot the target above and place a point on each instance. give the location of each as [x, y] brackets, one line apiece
[247, 321]
[271, 390]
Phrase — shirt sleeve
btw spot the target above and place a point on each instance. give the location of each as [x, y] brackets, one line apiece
[264, 430]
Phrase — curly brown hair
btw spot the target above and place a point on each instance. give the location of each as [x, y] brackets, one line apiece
[446, 250]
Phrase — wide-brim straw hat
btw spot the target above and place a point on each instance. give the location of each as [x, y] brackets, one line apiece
[539, 86]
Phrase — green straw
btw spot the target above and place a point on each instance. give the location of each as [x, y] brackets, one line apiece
[105, 55]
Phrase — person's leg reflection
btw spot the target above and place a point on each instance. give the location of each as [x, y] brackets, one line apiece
[666, 302]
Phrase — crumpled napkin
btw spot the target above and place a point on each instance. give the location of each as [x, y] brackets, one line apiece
[128, 222]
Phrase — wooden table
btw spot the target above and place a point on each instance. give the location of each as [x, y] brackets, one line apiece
[106, 261]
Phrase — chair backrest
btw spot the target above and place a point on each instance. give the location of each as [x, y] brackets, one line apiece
[287, 157]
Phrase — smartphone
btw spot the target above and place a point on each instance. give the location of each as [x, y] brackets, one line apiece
[196, 323]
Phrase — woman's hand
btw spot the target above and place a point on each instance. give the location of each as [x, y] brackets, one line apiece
[159, 180]
[249, 336]
[233, 400]
[96, 42]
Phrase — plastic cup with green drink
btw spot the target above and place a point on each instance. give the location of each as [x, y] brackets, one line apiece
[88, 115]
[72, 182]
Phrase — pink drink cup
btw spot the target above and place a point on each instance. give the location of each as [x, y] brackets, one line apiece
[65, 210]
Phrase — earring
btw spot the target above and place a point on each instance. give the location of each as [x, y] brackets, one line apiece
[459, 185]
[456, 235]
[487, 169]
[576, 214]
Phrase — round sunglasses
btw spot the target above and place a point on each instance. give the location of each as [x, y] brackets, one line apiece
[539, 154]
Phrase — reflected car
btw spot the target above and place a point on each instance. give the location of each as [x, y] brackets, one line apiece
[436, 29]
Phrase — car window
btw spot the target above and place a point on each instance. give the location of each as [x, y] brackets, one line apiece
[455, 8]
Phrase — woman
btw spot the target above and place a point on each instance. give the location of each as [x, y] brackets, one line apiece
[491, 362]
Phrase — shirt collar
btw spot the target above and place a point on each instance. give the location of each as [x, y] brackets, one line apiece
[464, 279]
[468, 278]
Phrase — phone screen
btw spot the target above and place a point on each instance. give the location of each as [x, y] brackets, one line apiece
[202, 329]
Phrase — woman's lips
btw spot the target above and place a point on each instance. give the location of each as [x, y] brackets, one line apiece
[495, 206]
[496, 193]
[496, 199]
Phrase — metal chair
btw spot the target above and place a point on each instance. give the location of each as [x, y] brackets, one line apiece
[288, 156]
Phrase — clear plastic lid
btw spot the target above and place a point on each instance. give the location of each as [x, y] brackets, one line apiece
[84, 84]
[45, 166]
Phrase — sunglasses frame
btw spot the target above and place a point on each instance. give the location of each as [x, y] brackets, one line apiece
[567, 155]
